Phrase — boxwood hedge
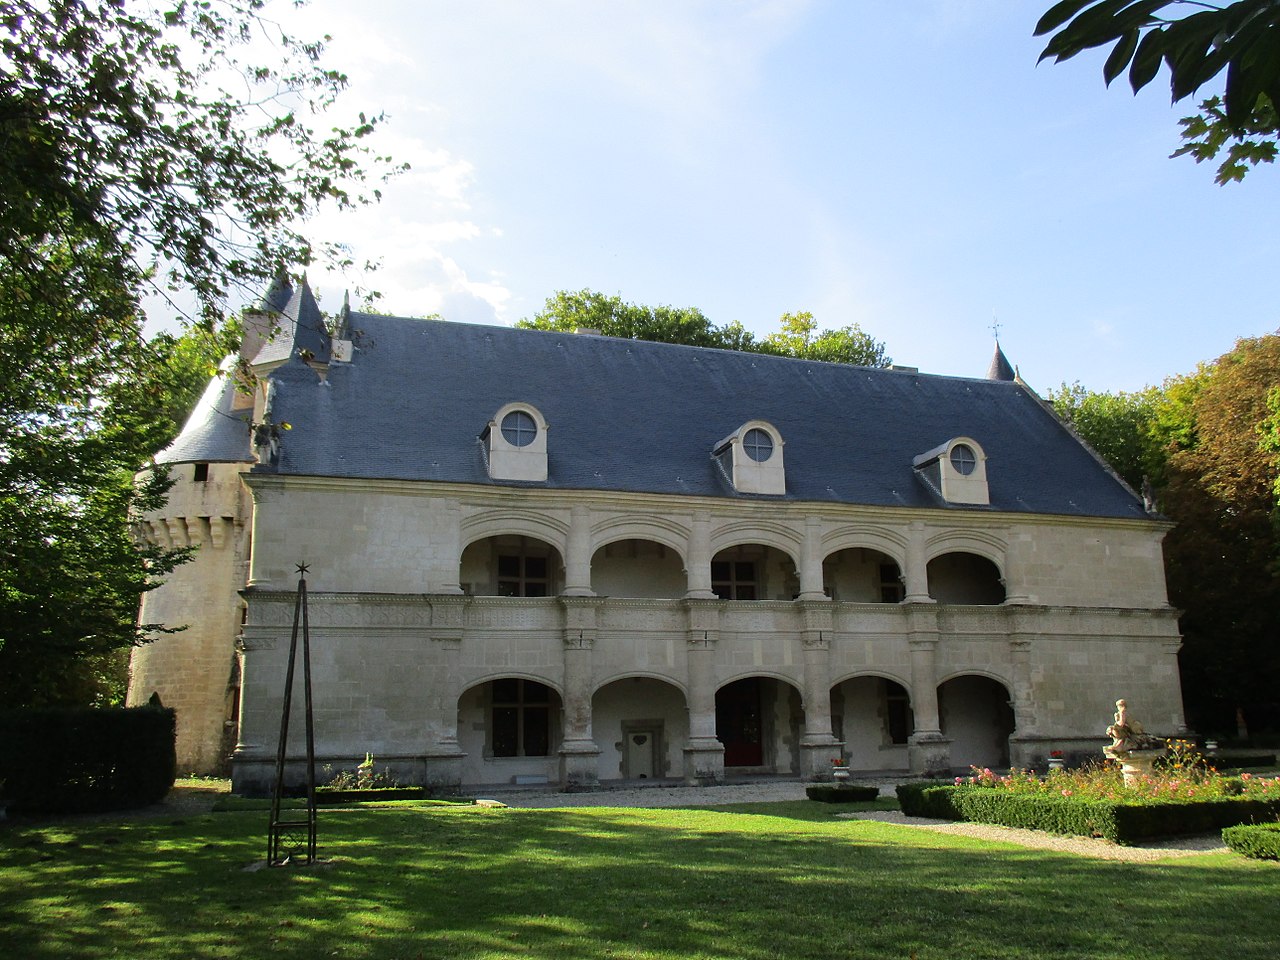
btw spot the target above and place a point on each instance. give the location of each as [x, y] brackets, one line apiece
[1261, 841]
[851, 793]
[81, 759]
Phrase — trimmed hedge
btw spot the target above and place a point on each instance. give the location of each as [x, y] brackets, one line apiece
[1112, 820]
[1261, 841]
[81, 759]
[1241, 761]
[828, 793]
[928, 798]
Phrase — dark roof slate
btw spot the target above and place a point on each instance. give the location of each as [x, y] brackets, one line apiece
[214, 433]
[1001, 368]
[628, 415]
[301, 329]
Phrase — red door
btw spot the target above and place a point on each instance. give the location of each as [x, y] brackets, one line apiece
[738, 723]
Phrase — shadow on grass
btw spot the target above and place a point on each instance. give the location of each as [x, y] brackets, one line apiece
[467, 882]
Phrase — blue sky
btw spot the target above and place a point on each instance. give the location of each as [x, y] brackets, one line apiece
[905, 166]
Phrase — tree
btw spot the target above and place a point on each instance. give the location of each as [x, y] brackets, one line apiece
[1239, 38]
[1205, 440]
[569, 311]
[798, 338]
[137, 152]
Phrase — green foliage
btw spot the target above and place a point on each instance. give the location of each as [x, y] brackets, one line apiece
[1238, 38]
[141, 154]
[928, 798]
[81, 760]
[1118, 426]
[569, 311]
[1259, 841]
[1209, 443]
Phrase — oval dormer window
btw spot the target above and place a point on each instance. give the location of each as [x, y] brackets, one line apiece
[758, 445]
[519, 428]
[963, 459]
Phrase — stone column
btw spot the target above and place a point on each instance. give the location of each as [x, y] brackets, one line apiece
[703, 753]
[811, 561]
[818, 744]
[577, 562]
[929, 752]
[698, 559]
[447, 551]
[915, 577]
[442, 754]
[579, 763]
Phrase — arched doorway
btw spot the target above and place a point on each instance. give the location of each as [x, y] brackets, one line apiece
[640, 725]
[759, 719]
[976, 716]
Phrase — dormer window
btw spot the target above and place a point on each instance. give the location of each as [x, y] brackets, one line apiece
[515, 441]
[957, 470]
[752, 458]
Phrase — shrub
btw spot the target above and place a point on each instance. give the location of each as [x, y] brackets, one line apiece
[80, 759]
[1239, 761]
[336, 795]
[928, 798]
[828, 793]
[1261, 841]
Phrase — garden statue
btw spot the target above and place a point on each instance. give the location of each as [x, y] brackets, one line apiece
[1134, 749]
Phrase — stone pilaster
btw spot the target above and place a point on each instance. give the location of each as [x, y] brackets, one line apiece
[442, 754]
[811, 561]
[818, 744]
[703, 753]
[579, 764]
[928, 751]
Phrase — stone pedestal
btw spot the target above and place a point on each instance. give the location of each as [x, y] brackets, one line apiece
[816, 754]
[929, 755]
[579, 766]
[703, 761]
[1135, 764]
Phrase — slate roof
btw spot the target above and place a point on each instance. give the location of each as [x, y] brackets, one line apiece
[214, 433]
[1001, 368]
[629, 415]
[301, 328]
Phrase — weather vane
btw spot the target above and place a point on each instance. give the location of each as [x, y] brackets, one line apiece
[995, 327]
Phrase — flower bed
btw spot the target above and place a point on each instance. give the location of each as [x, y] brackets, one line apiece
[1185, 797]
[335, 795]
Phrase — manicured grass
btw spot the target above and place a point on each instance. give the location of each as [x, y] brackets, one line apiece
[755, 881]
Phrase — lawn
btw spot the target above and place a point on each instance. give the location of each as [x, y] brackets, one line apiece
[765, 880]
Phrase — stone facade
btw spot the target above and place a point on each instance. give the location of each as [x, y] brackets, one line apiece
[510, 584]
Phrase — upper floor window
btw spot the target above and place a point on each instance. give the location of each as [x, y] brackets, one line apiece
[734, 579]
[523, 576]
[957, 471]
[515, 443]
[752, 458]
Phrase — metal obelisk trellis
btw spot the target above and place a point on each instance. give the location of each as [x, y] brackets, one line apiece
[293, 837]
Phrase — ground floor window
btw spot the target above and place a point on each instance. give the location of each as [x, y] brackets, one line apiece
[520, 720]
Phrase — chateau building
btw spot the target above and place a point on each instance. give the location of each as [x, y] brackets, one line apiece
[559, 558]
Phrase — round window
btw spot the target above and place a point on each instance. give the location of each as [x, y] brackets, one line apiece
[963, 459]
[518, 428]
[758, 444]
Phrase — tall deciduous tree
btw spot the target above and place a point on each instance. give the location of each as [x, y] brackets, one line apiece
[798, 336]
[1197, 42]
[139, 150]
[1206, 440]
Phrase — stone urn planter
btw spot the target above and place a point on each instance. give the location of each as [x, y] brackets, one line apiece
[1057, 763]
[840, 774]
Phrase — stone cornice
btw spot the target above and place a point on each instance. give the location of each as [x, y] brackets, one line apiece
[558, 501]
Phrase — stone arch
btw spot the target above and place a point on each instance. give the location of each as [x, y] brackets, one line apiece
[509, 727]
[862, 574]
[965, 578]
[871, 712]
[641, 675]
[772, 534]
[634, 567]
[494, 523]
[889, 542]
[975, 713]
[977, 542]
[511, 564]
[640, 723]
[667, 532]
